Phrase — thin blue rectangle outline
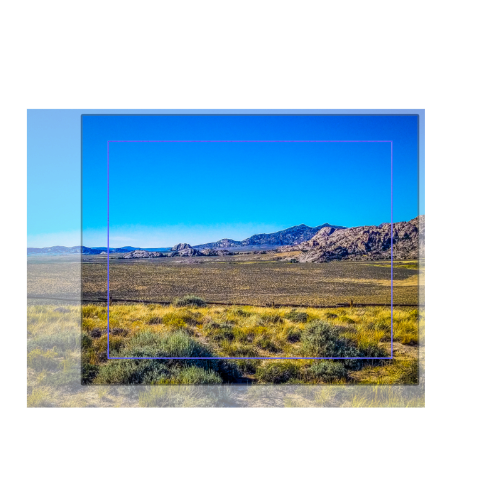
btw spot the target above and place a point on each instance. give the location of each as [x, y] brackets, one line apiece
[254, 141]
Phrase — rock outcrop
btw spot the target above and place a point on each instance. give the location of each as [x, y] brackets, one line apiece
[189, 252]
[363, 243]
[291, 236]
[210, 252]
[315, 244]
[183, 250]
[180, 246]
[142, 254]
[224, 243]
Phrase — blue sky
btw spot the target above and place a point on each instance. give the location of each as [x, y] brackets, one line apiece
[164, 193]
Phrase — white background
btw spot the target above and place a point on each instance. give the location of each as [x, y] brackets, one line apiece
[439, 56]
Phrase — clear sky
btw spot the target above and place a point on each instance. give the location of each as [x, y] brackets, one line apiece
[165, 193]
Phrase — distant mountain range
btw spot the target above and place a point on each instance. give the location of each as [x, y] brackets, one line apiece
[316, 244]
[61, 250]
[291, 236]
[306, 244]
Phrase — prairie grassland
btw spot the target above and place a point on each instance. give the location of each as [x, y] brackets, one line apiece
[54, 276]
[66, 343]
[55, 349]
[367, 396]
[256, 282]
[232, 279]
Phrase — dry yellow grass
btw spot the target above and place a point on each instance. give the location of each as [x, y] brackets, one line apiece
[54, 334]
[367, 323]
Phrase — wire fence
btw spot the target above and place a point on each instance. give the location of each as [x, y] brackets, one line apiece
[239, 304]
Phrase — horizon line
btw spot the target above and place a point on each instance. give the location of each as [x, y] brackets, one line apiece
[200, 244]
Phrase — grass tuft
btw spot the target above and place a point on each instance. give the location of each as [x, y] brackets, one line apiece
[296, 316]
[189, 300]
[60, 341]
[39, 397]
[278, 372]
[327, 371]
[40, 360]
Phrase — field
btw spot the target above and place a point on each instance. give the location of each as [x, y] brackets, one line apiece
[60, 351]
[259, 281]
[59, 355]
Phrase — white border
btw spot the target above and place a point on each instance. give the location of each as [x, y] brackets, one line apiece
[448, 83]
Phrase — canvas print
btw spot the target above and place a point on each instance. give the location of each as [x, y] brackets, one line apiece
[251, 249]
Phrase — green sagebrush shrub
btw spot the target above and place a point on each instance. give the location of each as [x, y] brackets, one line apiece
[248, 366]
[266, 343]
[242, 313]
[219, 331]
[296, 316]
[40, 360]
[327, 371]
[151, 345]
[278, 372]
[60, 341]
[192, 375]
[323, 340]
[271, 318]
[189, 300]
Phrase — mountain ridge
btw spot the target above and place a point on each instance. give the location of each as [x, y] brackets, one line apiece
[363, 243]
[83, 250]
[316, 244]
[290, 236]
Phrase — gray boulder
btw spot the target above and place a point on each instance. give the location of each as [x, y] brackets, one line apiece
[142, 254]
[188, 252]
[180, 246]
[208, 252]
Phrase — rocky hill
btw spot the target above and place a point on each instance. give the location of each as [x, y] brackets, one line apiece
[183, 250]
[363, 243]
[291, 236]
[180, 246]
[224, 243]
[315, 244]
[211, 252]
[142, 254]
